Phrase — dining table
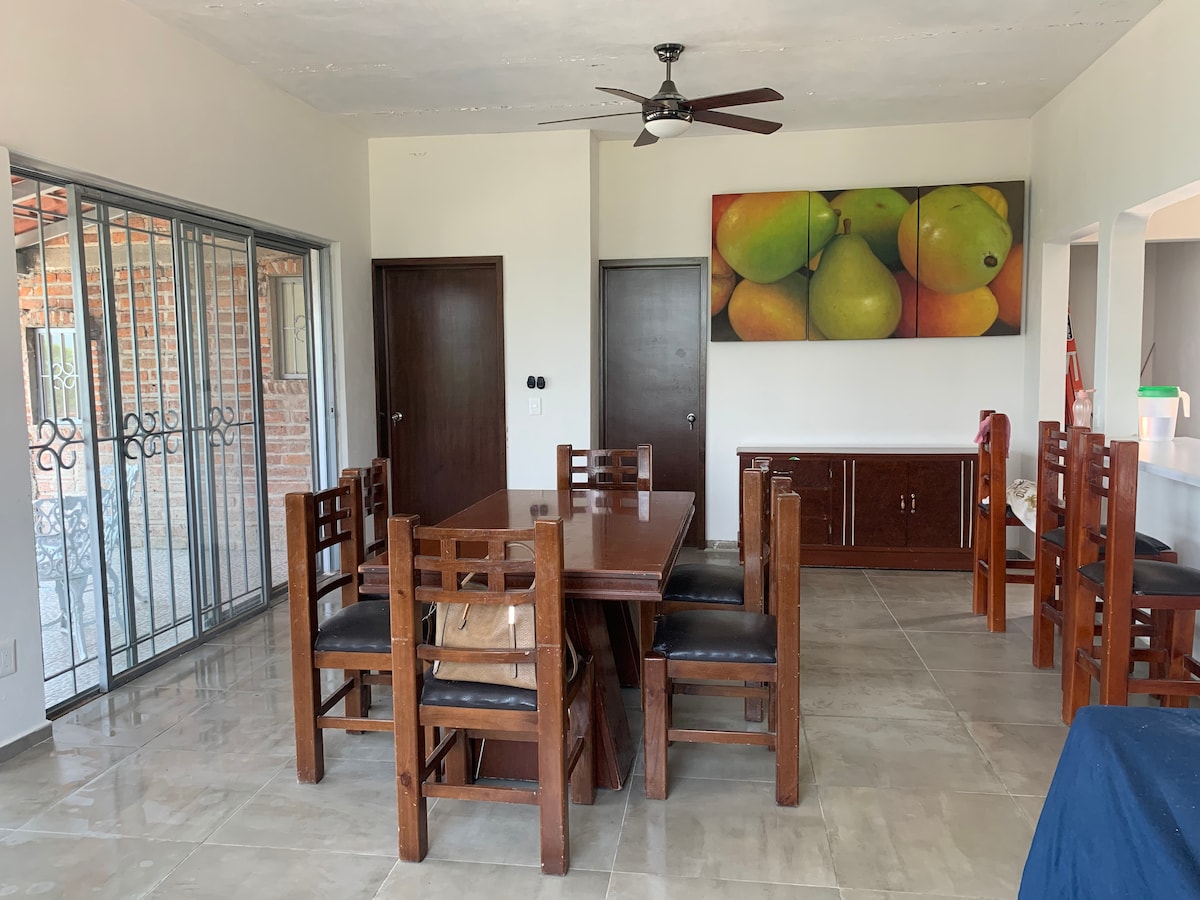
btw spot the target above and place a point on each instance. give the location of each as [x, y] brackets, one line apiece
[619, 547]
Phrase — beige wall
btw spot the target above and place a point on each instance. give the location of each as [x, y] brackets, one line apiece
[83, 78]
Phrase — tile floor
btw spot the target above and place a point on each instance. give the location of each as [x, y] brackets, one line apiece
[929, 745]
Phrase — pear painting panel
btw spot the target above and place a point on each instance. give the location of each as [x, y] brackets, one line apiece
[868, 263]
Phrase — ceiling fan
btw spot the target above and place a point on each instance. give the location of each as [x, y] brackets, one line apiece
[668, 113]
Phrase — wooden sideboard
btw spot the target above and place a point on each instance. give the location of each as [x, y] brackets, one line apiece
[895, 507]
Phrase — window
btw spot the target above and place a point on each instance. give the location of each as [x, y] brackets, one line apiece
[291, 359]
[53, 375]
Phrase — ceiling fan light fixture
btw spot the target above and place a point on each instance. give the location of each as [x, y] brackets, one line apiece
[668, 123]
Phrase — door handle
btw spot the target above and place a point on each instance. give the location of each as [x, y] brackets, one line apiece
[396, 417]
[912, 503]
[691, 420]
[901, 503]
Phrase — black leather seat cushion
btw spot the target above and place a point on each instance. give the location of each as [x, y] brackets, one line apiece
[1153, 577]
[703, 635]
[358, 628]
[472, 694]
[984, 506]
[1143, 544]
[706, 583]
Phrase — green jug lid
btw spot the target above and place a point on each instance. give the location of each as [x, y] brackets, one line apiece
[1159, 390]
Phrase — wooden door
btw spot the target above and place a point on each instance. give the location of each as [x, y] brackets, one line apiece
[879, 502]
[814, 480]
[937, 507]
[439, 348]
[652, 347]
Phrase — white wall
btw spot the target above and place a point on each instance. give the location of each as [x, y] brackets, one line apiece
[656, 202]
[1177, 324]
[1122, 136]
[528, 198]
[99, 87]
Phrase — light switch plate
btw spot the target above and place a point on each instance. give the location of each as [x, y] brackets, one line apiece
[535, 406]
[8, 657]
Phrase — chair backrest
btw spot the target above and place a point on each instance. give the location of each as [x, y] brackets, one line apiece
[375, 494]
[1053, 489]
[785, 570]
[316, 522]
[756, 538]
[780, 485]
[628, 470]
[461, 572]
[1108, 497]
[991, 468]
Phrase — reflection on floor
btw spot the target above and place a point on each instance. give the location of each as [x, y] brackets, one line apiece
[928, 747]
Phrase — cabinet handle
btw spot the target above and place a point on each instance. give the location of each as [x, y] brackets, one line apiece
[912, 503]
[901, 503]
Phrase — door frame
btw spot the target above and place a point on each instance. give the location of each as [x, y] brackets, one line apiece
[679, 262]
[380, 319]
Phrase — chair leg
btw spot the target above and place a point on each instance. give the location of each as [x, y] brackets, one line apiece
[979, 581]
[457, 763]
[583, 778]
[657, 694]
[1044, 577]
[1079, 616]
[1181, 633]
[412, 808]
[355, 708]
[1116, 641]
[552, 791]
[310, 744]
[787, 738]
[997, 580]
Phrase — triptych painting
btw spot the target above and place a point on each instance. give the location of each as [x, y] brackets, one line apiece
[868, 263]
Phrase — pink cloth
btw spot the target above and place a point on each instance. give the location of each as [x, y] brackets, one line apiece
[984, 434]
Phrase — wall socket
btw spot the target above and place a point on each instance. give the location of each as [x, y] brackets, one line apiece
[8, 657]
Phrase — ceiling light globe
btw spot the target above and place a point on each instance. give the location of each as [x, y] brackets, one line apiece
[668, 126]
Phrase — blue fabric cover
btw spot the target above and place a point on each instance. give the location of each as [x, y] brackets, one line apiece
[1122, 817]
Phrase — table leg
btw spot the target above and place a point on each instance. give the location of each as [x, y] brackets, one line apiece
[623, 628]
[614, 742]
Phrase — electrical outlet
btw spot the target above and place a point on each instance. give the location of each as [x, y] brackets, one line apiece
[8, 657]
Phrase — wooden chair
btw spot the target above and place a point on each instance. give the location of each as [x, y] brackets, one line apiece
[355, 639]
[992, 519]
[1059, 462]
[375, 491]
[696, 647]
[628, 470]
[557, 715]
[1168, 592]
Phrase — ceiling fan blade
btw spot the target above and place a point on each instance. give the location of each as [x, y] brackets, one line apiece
[737, 98]
[632, 112]
[630, 95]
[644, 138]
[745, 123]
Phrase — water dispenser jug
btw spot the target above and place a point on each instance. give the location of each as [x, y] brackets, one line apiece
[1158, 405]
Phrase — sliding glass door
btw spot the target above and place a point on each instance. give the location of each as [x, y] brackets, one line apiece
[152, 338]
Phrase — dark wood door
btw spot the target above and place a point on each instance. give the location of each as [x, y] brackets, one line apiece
[936, 503]
[439, 346]
[814, 479]
[879, 498]
[653, 341]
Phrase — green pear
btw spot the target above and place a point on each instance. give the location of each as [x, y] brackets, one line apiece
[876, 213]
[767, 236]
[853, 296]
[953, 241]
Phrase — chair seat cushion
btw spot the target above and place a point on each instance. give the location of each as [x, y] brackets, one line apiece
[474, 695]
[1143, 544]
[1151, 577]
[357, 628]
[703, 635]
[706, 583]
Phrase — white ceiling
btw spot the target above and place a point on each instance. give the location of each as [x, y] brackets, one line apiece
[424, 67]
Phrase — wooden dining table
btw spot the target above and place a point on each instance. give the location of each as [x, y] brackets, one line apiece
[618, 550]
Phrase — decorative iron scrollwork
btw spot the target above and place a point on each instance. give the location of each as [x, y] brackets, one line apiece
[147, 434]
[56, 445]
[221, 422]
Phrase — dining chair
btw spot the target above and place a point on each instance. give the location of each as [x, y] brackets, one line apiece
[629, 470]
[993, 517]
[701, 651]
[1059, 461]
[556, 715]
[375, 491]
[1109, 572]
[355, 638]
